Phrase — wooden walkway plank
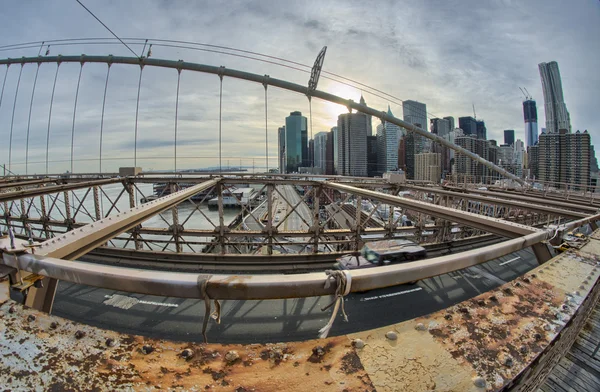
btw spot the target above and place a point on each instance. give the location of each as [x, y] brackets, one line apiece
[578, 370]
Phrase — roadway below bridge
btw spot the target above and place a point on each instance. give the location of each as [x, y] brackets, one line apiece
[281, 320]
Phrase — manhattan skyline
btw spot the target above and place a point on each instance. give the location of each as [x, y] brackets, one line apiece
[448, 67]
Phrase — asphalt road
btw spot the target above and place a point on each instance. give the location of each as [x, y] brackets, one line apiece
[294, 221]
[281, 320]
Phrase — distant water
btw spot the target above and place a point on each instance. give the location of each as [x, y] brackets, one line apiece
[112, 192]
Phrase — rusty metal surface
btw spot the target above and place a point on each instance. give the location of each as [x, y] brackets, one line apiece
[485, 342]
[42, 352]
[480, 344]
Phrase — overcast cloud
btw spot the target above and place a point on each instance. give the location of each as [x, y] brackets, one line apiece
[447, 54]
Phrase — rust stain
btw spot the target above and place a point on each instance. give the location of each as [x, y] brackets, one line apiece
[56, 359]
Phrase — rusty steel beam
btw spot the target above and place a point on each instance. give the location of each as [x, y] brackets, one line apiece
[522, 197]
[78, 242]
[16, 195]
[491, 225]
[503, 202]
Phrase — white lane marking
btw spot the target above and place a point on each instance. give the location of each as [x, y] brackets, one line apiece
[391, 294]
[510, 261]
[487, 275]
[125, 302]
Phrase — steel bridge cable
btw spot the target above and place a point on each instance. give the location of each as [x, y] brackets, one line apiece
[74, 112]
[220, 117]
[50, 114]
[12, 122]
[4, 84]
[176, 114]
[102, 116]
[266, 133]
[29, 119]
[67, 42]
[107, 28]
[137, 111]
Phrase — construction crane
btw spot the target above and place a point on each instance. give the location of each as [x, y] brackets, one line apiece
[474, 114]
[527, 95]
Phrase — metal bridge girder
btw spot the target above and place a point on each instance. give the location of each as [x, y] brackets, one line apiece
[491, 225]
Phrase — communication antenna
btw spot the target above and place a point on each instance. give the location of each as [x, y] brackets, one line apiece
[474, 114]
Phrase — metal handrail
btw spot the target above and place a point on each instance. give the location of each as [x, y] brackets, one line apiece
[221, 286]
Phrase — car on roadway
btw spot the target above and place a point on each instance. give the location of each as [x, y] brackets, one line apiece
[383, 252]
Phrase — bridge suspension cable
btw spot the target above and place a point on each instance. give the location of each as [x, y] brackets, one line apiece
[12, 122]
[50, 114]
[102, 116]
[75, 111]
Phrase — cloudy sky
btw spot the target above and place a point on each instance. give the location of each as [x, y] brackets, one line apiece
[447, 54]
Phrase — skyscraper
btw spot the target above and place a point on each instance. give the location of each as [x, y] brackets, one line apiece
[509, 137]
[388, 136]
[451, 120]
[557, 116]
[440, 126]
[334, 133]
[281, 148]
[372, 168]
[564, 159]
[320, 148]
[531, 126]
[468, 125]
[352, 144]
[415, 113]
[296, 147]
[481, 130]
[369, 119]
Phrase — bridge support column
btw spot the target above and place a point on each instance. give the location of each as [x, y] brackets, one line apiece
[542, 253]
[42, 298]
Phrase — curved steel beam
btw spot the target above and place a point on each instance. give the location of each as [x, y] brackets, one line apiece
[264, 80]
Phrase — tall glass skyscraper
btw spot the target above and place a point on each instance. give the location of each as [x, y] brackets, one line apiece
[296, 147]
[531, 126]
[557, 116]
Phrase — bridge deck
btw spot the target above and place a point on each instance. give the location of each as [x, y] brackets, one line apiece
[579, 370]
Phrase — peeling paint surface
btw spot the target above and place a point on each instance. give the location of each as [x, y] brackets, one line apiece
[41, 352]
[480, 344]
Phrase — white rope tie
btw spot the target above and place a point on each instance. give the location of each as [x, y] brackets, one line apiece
[343, 281]
[216, 315]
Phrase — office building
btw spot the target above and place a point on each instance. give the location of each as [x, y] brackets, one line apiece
[451, 120]
[531, 123]
[296, 143]
[427, 167]
[334, 133]
[509, 137]
[564, 159]
[320, 151]
[329, 153]
[557, 115]
[352, 144]
[472, 170]
[533, 157]
[388, 136]
[415, 113]
[281, 148]
[468, 125]
[369, 119]
[372, 164]
[440, 126]
[481, 130]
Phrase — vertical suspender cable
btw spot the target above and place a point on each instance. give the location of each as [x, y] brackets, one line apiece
[137, 111]
[176, 114]
[102, 116]
[220, 116]
[50, 114]
[312, 164]
[12, 122]
[29, 120]
[266, 133]
[75, 111]
[4, 84]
